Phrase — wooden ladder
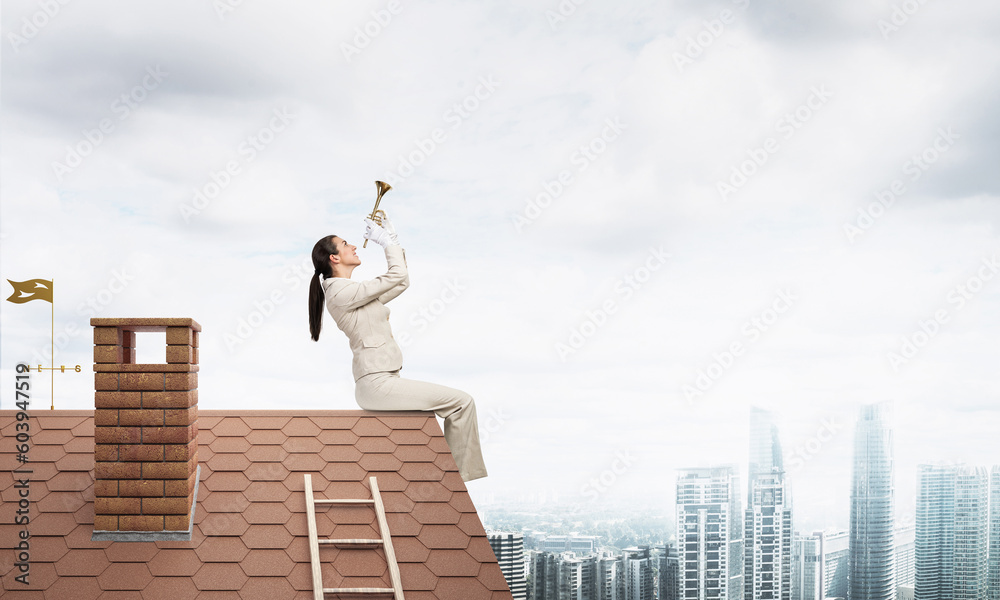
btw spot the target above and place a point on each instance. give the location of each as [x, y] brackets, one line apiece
[386, 542]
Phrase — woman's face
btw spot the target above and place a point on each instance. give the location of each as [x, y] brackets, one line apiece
[346, 252]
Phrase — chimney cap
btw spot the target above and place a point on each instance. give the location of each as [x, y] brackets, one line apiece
[146, 323]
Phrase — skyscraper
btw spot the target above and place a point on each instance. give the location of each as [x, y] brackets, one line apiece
[820, 566]
[972, 535]
[710, 533]
[564, 576]
[807, 567]
[836, 555]
[577, 577]
[768, 527]
[994, 557]
[638, 573]
[765, 447]
[669, 568]
[610, 580]
[544, 576]
[509, 550]
[952, 533]
[871, 558]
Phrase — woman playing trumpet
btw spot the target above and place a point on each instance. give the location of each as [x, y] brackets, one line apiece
[358, 308]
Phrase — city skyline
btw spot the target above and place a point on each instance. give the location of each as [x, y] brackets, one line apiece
[877, 557]
[942, 556]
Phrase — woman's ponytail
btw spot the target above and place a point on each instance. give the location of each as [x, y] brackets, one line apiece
[321, 263]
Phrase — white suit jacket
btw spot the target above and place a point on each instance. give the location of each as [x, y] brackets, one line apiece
[359, 309]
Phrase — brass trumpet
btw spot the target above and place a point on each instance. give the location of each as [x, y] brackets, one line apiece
[377, 215]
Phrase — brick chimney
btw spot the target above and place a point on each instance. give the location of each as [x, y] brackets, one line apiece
[146, 430]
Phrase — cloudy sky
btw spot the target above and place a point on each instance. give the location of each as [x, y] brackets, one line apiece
[626, 222]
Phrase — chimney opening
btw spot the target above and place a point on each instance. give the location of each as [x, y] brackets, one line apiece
[150, 347]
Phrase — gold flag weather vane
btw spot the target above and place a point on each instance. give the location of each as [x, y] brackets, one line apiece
[33, 289]
[39, 289]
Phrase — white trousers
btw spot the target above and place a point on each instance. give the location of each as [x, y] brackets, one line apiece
[388, 391]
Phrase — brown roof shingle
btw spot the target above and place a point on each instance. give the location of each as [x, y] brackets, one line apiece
[249, 534]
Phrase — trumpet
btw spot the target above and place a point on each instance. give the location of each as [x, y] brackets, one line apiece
[377, 215]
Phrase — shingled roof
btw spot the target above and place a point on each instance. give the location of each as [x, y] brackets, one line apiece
[249, 538]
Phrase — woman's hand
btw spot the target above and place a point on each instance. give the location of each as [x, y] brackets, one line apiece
[379, 234]
[390, 229]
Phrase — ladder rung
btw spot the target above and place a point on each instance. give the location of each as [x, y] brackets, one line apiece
[351, 541]
[357, 590]
[343, 501]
